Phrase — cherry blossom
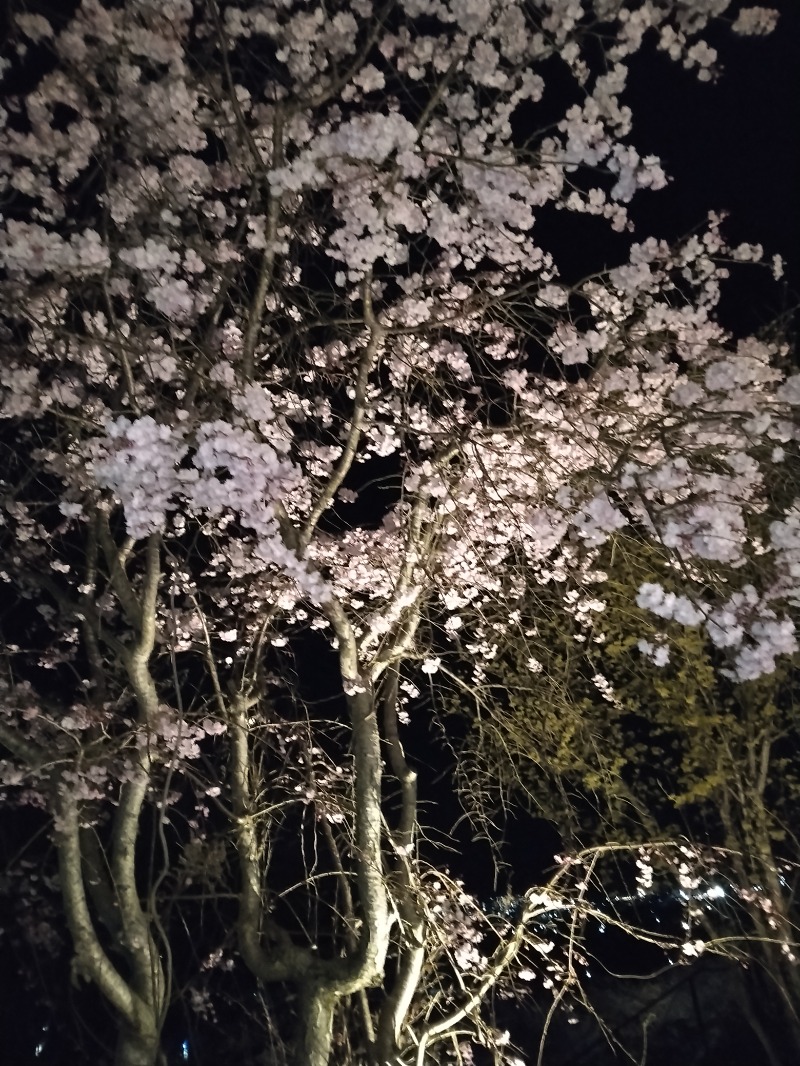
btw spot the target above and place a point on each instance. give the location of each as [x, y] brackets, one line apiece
[289, 360]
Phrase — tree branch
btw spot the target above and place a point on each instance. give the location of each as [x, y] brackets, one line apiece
[357, 420]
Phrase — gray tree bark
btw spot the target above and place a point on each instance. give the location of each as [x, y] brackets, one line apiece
[138, 1048]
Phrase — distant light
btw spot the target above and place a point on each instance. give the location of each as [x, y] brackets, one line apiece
[40, 1046]
[185, 1050]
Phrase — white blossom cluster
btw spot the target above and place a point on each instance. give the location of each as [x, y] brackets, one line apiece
[29, 248]
[231, 471]
[745, 622]
[139, 464]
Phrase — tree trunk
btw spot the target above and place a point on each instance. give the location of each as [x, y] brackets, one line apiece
[136, 1048]
[313, 1046]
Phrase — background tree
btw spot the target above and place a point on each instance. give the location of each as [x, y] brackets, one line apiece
[285, 368]
[574, 718]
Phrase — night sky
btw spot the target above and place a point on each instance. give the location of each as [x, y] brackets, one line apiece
[731, 146]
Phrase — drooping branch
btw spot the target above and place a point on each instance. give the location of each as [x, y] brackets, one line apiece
[266, 948]
[349, 918]
[358, 417]
[97, 878]
[115, 561]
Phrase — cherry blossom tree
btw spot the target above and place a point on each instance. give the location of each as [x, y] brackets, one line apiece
[286, 368]
[570, 719]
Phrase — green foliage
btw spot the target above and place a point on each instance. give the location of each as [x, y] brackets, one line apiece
[601, 740]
